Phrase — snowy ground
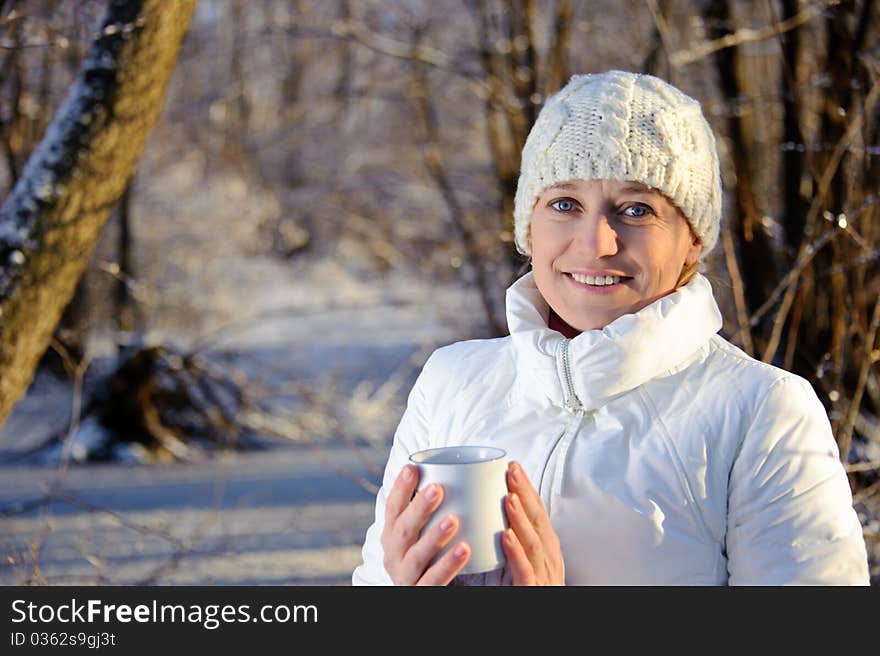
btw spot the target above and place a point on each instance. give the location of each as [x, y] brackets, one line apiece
[290, 515]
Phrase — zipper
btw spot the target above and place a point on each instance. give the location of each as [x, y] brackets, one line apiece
[572, 402]
[546, 492]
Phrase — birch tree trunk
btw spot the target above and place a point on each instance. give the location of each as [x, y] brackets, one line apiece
[51, 220]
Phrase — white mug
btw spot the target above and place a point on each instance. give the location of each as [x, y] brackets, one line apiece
[474, 486]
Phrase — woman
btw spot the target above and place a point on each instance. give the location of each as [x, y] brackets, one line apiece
[644, 448]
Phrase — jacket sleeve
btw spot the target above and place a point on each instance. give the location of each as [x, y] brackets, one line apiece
[790, 517]
[411, 435]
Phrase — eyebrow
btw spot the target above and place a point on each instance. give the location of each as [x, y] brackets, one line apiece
[636, 188]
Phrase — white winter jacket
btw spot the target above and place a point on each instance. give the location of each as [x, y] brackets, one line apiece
[663, 454]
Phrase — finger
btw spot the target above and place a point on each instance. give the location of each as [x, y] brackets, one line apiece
[401, 493]
[526, 534]
[521, 570]
[397, 502]
[419, 555]
[406, 529]
[448, 567]
[518, 482]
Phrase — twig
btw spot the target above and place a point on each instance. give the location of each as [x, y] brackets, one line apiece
[864, 493]
[844, 438]
[35, 548]
[121, 519]
[60, 42]
[739, 298]
[383, 45]
[747, 35]
[663, 31]
[867, 424]
[11, 17]
[436, 167]
[808, 252]
[818, 201]
[79, 372]
[256, 423]
[284, 428]
[55, 496]
[862, 466]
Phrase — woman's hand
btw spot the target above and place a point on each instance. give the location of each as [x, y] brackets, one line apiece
[407, 554]
[534, 556]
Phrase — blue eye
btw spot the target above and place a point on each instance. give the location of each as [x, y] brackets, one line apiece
[638, 211]
[562, 205]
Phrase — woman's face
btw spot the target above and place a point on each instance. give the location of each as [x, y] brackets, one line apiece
[586, 234]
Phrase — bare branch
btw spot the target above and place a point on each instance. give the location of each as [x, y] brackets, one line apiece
[844, 437]
[360, 34]
[78, 373]
[746, 35]
[662, 29]
[818, 200]
[862, 466]
[744, 332]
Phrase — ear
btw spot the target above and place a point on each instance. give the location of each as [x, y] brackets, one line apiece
[694, 250]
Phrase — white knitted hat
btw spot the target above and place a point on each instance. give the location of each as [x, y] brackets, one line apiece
[628, 127]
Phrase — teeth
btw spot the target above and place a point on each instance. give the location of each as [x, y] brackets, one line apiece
[598, 281]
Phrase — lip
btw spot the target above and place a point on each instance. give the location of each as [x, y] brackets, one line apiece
[596, 272]
[604, 290]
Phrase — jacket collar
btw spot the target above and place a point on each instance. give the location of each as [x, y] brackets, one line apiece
[626, 353]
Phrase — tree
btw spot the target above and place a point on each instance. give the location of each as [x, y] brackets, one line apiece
[52, 218]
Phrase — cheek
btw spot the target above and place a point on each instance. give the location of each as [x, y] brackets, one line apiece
[669, 267]
[544, 245]
[660, 259]
[538, 240]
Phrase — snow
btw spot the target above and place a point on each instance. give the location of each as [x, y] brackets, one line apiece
[277, 517]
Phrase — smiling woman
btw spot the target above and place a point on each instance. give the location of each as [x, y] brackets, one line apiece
[643, 447]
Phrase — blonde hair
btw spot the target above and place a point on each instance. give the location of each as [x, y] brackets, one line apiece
[688, 271]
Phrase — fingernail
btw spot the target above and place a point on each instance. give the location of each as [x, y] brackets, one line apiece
[514, 502]
[407, 473]
[514, 473]
[460, 551]
[446, 524]
[432, 493]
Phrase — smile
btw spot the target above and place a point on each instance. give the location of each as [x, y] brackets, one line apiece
[600, 281]
[597, 281]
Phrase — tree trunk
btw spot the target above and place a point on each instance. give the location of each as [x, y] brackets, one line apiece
[50, 222]
[754, 246]
[794, 204]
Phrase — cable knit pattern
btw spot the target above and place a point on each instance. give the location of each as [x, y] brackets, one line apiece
[629, 127]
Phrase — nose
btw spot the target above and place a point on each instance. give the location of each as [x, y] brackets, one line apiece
[596, 236]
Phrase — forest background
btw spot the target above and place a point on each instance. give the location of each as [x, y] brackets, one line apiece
[229, 318]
